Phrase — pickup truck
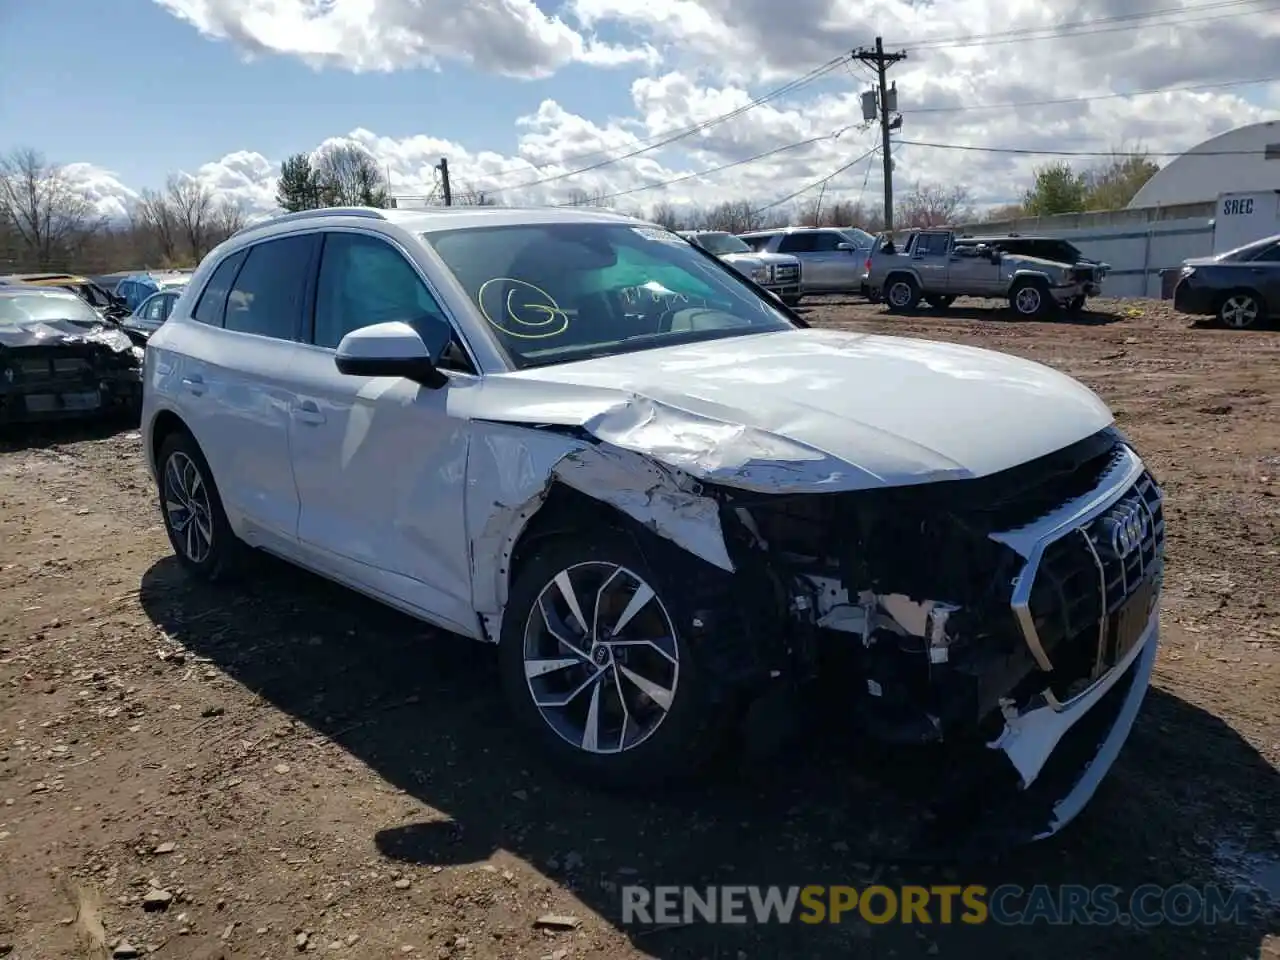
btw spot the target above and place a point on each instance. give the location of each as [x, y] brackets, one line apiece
[936, 266]
[777, 273]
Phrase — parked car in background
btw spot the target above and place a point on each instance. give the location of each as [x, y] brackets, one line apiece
[670, 504]
[1055, 250]
[136, 287]
[103, 301]
[1240, 288]
[152, 312]
[60, 359]
[831, 260]
[776, 272]
[932, 266]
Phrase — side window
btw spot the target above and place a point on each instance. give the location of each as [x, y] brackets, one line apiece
[166, 306]
[267, 295]
[1269, 254]
[363, 281]
[213, 299]
[827, 242]
[151, 309]
[797, 243]
[930, 245]
[757, 243]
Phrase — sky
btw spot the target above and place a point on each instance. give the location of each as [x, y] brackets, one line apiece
[519, 95]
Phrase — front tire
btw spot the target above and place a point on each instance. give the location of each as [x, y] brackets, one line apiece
[194, 519]
[792, 299]
[1076, 304]
[1241, 310]
[1030, 298]
[597, 665]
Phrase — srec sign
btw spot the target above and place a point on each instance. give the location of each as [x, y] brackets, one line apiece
[1240, 207]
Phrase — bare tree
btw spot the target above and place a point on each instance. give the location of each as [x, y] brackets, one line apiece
[349, 176]
[156, 215]
[192, 207]
[581, 198]
[732, 216]
[933, 205]
[228, 218]
[49, 215]
[665, 214]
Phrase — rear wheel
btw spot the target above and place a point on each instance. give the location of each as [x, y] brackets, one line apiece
[901, 293]
[194, 519]
[1241, 309]
[597, 664]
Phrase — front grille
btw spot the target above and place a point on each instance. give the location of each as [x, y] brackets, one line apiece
[786, 273]
[1080, 573]
[36, 365]
[1083, 274]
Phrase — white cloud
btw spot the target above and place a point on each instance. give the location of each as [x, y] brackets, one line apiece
[511, 37]
[717, 57]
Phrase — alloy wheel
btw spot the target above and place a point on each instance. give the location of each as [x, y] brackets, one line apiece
[1028, 300]
[1239, 311]
[186, 507]
[601, 658]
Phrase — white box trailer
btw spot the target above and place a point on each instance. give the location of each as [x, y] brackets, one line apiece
[1244, 217]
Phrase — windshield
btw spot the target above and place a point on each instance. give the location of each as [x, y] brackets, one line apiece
[20, 308]
[558, 292]
[721, 243]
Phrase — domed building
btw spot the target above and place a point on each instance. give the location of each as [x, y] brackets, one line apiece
[1241, 160]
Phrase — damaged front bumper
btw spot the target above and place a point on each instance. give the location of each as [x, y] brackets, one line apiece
[1063, 751]
[55, 398]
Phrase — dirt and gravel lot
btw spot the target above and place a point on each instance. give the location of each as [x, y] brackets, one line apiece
[298, 770]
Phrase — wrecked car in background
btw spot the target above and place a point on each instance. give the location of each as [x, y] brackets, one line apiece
[571, 434]
[776, 272]
[60, 359]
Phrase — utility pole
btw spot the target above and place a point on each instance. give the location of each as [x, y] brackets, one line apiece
[443, 167]
[882, 62]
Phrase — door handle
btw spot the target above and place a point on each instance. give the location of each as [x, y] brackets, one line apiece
[194, 384]
[308, 411]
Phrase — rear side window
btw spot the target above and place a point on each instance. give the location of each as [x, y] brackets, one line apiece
[267, 295]
[213, 300]
[798, 243]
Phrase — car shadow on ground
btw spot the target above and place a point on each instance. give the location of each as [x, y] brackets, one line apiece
[15, 437]
[423, 712]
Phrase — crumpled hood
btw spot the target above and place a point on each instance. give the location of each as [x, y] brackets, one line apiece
[806, 409]
[36, 333]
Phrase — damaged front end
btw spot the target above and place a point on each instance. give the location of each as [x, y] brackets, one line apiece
[1010, 618]
[54, 370]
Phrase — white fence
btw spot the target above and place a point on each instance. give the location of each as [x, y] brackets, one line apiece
[1138, 244]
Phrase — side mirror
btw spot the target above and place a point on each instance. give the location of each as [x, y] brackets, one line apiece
[846, 247]
[389, 350]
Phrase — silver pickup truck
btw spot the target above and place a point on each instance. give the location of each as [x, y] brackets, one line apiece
[777, 273]
[935, 266]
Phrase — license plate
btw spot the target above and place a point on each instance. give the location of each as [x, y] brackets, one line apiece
[1127, 624]
[50, 402]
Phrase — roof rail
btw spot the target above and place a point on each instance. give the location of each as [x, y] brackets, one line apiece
[371, 213]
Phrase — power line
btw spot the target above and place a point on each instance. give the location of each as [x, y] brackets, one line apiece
[796, 84]
[1119, 154]
[1090, 99]
[724, 166]
[1112, 24]
[817, 183]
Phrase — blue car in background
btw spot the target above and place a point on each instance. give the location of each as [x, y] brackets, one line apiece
[136, 287]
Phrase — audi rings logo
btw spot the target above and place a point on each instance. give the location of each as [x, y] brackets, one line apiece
[1125, 528]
